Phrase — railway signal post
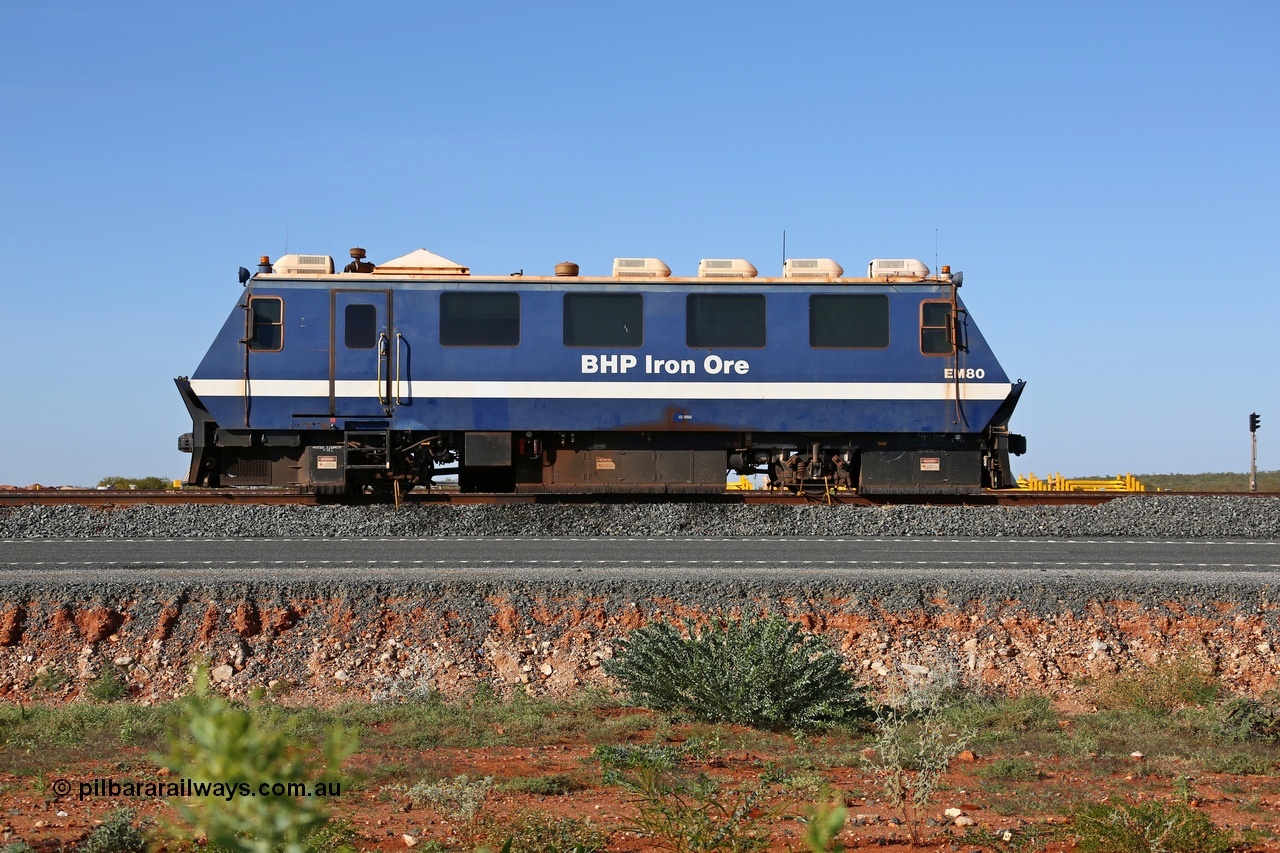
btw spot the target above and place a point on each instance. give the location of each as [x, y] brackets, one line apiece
[1254, 423]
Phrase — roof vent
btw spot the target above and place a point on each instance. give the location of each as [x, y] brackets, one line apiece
[640, 268]
[304, 265]
[824, 268]
[896, 268]
[725, 268]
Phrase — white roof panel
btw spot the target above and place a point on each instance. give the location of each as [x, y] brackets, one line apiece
[421, 262]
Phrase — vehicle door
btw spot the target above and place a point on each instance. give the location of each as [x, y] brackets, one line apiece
[362, 355]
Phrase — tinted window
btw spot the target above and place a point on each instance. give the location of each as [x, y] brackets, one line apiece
[935, 328]
[849, 322]
[267, 320]
[725, 320]
[603, 320]
[480, 319]
[361, 327]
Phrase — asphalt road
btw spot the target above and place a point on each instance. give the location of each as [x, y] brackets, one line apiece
[28, 557]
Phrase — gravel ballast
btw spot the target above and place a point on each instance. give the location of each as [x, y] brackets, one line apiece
[1142, 517]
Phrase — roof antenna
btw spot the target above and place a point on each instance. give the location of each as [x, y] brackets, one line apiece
[935, 251]
[784, 250]
[286, 239]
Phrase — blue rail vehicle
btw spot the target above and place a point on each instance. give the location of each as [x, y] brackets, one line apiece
[380, 378]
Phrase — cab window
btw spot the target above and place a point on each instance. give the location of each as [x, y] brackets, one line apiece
[360, 326]
[266, 323]
[936, 328]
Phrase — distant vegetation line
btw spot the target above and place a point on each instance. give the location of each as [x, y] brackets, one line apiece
[1268, 481]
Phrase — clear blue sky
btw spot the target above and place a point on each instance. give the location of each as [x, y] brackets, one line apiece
[1105, 174]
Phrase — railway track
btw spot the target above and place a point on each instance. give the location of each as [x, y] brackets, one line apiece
[210, 497]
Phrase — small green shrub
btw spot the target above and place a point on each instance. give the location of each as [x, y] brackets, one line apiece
[1240, 720]
[914, 746]
[459, 798]
[539, 832]
[50, 680]
[1161, 689]
[1000, 718]
[336, 836]
[1241, 764]
[1149, 827]
[1013, 769]
[825, 823]
[238, 748]
[116, 834]
[108, 686]
[761, 672]
[17, 847]
[544, 786]
[696, 815]
[614, 760]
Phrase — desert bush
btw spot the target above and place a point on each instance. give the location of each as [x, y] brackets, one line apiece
[1162, 689]
[1149, 827]
[459, 798]
[545, 786]
[694, 814]
[1240, 719]
[761, 672]
[50, 680]
[238, 748]
[1240, 764]
[825, 823]
[336, 836]
[914, 745]
[539, 832]
[116, 834]
[1017, 769]
[615, 759]
[108, 686]
[1000, 718]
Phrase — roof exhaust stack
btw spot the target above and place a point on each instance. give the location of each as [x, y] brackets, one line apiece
[358, 262]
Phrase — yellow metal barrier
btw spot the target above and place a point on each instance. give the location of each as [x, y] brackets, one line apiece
[1059, 483]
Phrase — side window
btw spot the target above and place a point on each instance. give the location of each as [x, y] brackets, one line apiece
[480, 319]
[936, 328]
[360, 326]
[266, 333]
[603, 319]
[849, 322]
[725, 320]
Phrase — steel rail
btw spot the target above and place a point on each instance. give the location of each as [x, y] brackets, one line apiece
[242, 496]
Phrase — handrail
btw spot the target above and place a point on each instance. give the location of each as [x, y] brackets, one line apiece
[384, 354]
[399, 347]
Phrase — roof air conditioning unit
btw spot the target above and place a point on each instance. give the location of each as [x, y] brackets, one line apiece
[896, 268]
[640, 268]
[304, 265]
[811, 268]
[725, 268]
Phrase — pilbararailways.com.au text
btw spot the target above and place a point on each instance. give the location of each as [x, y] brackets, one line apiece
[228, 791]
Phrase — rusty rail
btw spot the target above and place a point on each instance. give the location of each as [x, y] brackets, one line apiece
[211, 497]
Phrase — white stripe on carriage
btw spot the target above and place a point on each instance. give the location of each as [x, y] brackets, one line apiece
[608, 390]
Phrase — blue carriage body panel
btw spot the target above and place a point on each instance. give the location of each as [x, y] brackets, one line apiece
[407, 380]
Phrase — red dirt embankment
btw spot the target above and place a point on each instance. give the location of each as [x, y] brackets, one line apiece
[370, 646]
